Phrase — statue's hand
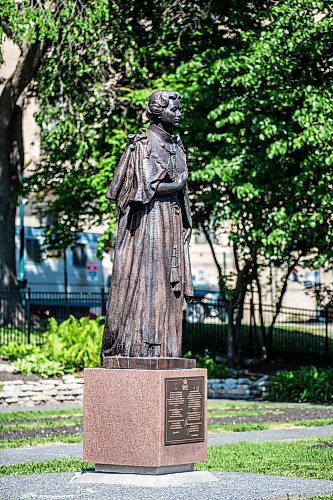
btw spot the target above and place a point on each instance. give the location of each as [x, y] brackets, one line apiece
[187, 235]
[180, 182]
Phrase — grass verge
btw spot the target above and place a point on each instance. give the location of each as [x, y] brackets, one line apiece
[41, 424]
[299, 458]
[302, 458]
[262, 426]
[37, 441]
[38, 414]
[59, 465]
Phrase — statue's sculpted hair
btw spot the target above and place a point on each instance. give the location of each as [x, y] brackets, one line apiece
[158, 101]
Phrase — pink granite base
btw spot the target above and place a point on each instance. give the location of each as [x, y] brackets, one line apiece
[124, 419]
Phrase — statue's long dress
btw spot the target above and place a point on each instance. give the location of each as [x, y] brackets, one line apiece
[151, 271]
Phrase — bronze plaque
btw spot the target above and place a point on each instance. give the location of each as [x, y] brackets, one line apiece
[184, 410]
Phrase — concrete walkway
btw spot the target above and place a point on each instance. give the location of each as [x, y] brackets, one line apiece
[230, 486]
[51, 452]
[272, 435]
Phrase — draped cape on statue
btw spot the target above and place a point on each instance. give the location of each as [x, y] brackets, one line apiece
[151, 271]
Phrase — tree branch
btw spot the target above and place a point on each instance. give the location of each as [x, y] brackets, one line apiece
[7, 30]
[218, 266]
[25, 71]
[283, 290]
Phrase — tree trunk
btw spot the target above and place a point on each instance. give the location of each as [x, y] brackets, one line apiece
[11, 162]
[230, 338]
[263, 342]
[234, 305]
[238, 331]
[278, 305]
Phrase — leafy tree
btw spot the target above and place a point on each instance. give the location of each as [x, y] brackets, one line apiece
[147, 39]
[82, 60]
[38, 29]
[262, 157]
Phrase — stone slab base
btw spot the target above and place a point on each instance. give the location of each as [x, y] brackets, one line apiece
[121, 469]
[148, 363]
[177, 479]
[125, 418]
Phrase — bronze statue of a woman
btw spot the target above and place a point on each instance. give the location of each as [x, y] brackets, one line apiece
[151, 273]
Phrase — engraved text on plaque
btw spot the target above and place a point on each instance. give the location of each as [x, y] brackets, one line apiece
[184, 410]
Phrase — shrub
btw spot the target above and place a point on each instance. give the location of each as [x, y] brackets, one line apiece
[214, 369]
[69, 346]
[39, 364]
[14, 351]
[305, 384]
[74, 342]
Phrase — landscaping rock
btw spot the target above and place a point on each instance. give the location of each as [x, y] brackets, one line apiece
[41, 392]
[238, 388]
[6, 368]
[70, 388]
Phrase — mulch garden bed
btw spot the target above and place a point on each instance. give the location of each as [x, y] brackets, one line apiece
[7, 377]
[41, 432]
[276, 414]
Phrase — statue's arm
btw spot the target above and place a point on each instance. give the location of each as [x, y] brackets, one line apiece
[171, 187]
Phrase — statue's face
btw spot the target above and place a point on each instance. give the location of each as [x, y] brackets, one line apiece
[172, 115]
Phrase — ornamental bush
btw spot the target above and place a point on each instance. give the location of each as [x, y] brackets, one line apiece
[70, 345]
[305, 384]
[74, 342]
[214, 369]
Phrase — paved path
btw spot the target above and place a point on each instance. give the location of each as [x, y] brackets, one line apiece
[50, 452]
[60, 406]
[272, 435]
[230, 486]
[40, 453]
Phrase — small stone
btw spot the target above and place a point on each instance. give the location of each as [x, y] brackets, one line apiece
[38, 397]
[244, 381]
[229, 383]
[7, 368]
[50, 392]
[69, 379]
[50, 382]
[13, 382]
[11, 400]
[70, 387]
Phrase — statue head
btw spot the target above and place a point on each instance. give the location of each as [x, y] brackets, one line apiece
[164, 108]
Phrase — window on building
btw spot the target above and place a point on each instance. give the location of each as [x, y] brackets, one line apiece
[34, 250]
[79, 256]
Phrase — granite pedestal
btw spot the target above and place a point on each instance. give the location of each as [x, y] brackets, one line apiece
[131, 419]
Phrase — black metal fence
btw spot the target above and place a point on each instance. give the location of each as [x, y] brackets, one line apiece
[24, 318]
[297, 333]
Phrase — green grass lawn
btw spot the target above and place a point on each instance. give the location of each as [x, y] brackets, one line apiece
[37, 441]
[300, 458]
[34, 420]
[38, 414]
[303, 458]
[44, 423]
[262, 426]
[286, 338]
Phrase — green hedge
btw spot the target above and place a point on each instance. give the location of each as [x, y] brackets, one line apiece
[305, 384]
[69, 346]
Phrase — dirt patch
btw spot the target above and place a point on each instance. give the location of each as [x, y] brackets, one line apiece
[275, 415]
[42, 432]
[323, 445]
[5, 376]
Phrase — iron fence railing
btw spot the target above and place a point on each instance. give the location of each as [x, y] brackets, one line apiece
[24, 316]
[296, 332]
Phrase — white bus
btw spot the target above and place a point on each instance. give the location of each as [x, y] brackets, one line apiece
[75, 269]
